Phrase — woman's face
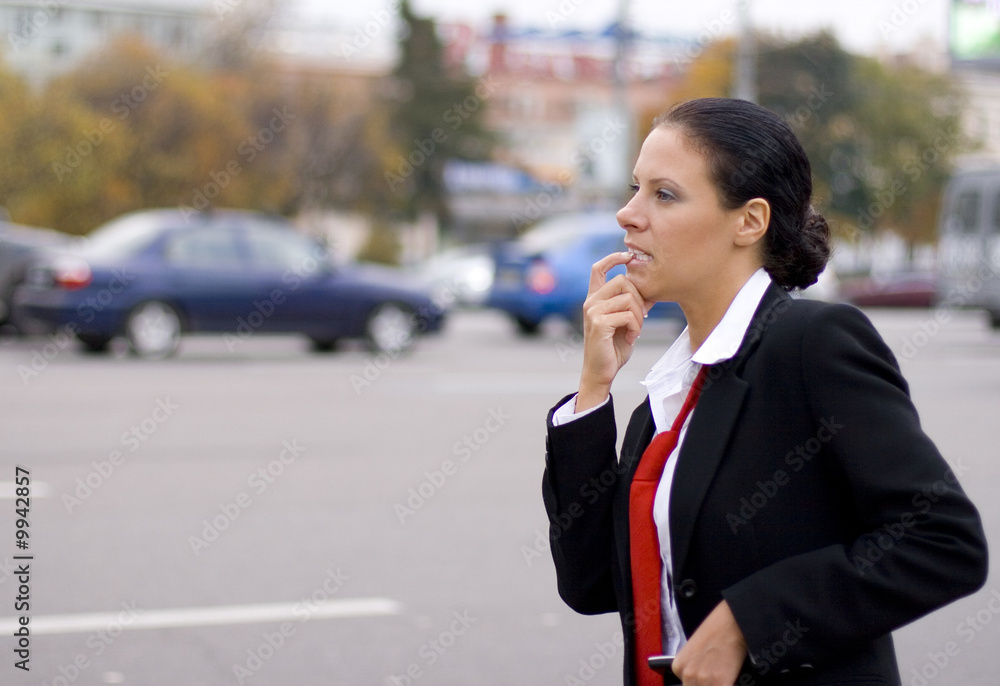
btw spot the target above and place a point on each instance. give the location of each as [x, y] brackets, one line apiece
[675, 226]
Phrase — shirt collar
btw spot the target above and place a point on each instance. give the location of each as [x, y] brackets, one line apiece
[721, 344]
[726, 337]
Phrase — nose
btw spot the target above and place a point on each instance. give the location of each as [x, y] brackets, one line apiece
[627, 215]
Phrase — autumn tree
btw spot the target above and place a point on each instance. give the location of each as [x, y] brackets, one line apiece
[166, 137]
[326, 158]
[913, 134]
[17, 143]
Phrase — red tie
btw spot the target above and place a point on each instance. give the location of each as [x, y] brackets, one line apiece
[647, 567]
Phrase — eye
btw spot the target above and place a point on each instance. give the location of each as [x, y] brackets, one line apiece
[634, 188]
[665, 195]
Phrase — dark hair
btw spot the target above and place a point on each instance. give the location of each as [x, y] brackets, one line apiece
[753, 153]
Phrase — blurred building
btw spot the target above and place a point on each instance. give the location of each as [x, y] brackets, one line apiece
[556, 92]
[565, 104]
[45, 39]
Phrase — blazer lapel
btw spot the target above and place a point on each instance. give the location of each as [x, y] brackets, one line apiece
[704, 446]
[638, 435]
[710, 427]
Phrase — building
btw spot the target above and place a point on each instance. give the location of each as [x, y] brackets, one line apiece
[566, 105]
[45, 39]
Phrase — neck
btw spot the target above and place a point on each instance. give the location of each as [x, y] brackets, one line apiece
[705, 309]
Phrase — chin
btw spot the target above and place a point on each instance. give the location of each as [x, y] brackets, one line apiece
[646, 290]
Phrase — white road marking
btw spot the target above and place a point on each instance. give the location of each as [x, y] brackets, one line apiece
[37, 489]
[138, 618]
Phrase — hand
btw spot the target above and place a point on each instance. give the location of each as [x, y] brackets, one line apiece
[612, 319]
[715, 652]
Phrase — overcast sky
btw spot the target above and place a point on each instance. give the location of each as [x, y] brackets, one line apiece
[861, 25]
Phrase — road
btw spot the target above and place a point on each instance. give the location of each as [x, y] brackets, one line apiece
[274, 517]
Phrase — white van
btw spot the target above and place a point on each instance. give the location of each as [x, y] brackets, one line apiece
[968, 262]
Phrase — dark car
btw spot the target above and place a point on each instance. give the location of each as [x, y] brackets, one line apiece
[151, 276]
[18, 247]
[901, 289]
[546, 272]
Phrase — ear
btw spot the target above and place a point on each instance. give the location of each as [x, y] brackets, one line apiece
[755, 217]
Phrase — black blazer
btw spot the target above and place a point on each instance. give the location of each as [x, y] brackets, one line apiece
[805, 494]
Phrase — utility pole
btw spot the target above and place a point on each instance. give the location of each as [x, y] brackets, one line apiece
[745, 87]
[621, 87]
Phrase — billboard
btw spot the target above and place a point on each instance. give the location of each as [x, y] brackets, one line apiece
[975, 32]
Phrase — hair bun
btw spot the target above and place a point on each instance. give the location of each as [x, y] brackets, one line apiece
[806, 256]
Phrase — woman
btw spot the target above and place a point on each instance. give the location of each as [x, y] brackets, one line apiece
[805, 515]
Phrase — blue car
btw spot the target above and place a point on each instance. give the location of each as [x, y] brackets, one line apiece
[151, 276]
[546, 272]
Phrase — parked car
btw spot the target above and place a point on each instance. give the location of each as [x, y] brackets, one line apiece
[546, 272]
[151, 276]
[901, 289]
[18, 247]
[458, 277]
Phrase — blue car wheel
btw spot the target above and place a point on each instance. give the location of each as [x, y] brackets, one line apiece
[391, 328]
[153, 330]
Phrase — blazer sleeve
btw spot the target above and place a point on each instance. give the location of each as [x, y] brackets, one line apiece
[578, 491]
[919, 541]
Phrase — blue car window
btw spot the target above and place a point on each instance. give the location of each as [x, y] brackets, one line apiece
[282, 250]
[121, 238]
[204, 248]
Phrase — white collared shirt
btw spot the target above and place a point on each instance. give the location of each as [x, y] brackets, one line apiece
[667, 384]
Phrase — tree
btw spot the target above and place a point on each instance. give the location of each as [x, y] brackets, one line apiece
[170, 138]
[913, 134]
[812, 83]
[437, 115]
[20, 108]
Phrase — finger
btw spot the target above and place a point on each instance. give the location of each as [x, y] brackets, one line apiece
[620, 285]
[619, 302]
[609, 326]
[599, 272]
[626, 317]
[617, 285]
[614, 318]
[623, 304]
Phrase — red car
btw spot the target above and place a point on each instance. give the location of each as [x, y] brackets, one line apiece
[903, 289]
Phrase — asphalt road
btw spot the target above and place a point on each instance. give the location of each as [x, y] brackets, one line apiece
[273, 517]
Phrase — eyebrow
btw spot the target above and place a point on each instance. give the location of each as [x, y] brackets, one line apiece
[662, 180]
